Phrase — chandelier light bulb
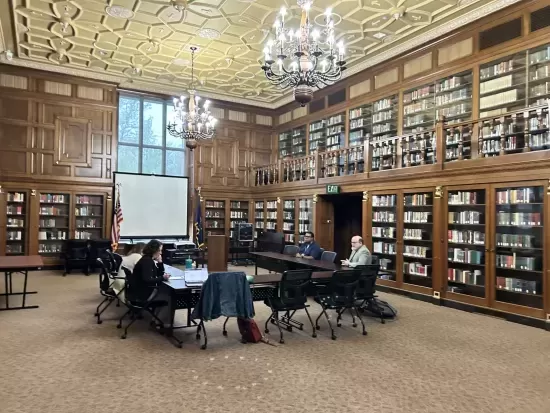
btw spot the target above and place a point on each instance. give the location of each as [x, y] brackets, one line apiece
[283, 11]
[328, 12]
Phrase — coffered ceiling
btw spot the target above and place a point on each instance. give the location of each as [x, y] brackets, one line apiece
[144, 44]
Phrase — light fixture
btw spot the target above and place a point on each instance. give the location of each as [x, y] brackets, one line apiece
[179, 5]
[191, 119]
[305, 58]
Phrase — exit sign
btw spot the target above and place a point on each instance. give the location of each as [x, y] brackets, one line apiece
[333, 189]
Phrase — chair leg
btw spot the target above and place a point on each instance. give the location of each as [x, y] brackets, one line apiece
[317, 327]
[339, 312]
[109, 302]
[333, 335]
[99, 306]
[201, 325]
[266, 330]
[224, 324]
[123, 336]
[360, 319]
[314, 334]
[119, 325]
[276, 318]
[354, 324]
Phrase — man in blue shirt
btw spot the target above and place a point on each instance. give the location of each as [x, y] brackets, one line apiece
[309, 249]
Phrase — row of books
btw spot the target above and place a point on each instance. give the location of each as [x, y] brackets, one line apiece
[466, 256]
[417, 251]
[417, 217]
[384, 200]
[380, 247]
[384, 232]
[384, 216]
[516, 285]
[466, 276]
[464, 198]
[519, 218]
[518, 196]
[417, 200]
[465, 217]
[466, 237]
[517, 262]
[416, 268]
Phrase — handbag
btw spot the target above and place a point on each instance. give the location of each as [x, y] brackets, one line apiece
[250, 332]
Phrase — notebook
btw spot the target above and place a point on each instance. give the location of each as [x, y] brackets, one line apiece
[195, 277]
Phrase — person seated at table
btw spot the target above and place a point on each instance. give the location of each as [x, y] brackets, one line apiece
[359, 253]
[309, 249]
[132, 254]
[148, 271]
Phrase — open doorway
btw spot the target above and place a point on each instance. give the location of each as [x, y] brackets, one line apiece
[348, 220]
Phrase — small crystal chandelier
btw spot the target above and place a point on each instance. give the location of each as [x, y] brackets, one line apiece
[305, 58]
[191, 121]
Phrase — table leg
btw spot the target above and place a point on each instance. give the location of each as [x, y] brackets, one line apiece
[7, 292]
[256, 267]
[25, 287]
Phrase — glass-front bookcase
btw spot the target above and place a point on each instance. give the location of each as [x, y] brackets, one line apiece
[271, 216]
[17, 223]
[238, 213]
[384, 233]
[54, 221]
[214, 217]
[289, 221]
[259, 218]
[89, 216]
[305, 217]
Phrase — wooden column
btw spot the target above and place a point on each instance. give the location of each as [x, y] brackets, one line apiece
[438, 271]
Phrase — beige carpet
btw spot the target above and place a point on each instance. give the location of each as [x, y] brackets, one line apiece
[432, 359]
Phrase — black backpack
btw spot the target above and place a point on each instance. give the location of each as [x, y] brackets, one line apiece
[379, 309]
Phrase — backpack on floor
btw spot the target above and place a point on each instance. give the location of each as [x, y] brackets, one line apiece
[377, 308]
[250, 332]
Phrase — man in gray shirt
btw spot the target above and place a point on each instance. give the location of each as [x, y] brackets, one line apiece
[359, 253]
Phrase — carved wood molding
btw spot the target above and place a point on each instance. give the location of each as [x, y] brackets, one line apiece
[73, 141]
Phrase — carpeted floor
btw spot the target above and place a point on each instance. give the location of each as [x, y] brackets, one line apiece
[432, 359]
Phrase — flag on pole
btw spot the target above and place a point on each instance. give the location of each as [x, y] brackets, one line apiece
[199, 235]
[117, 220]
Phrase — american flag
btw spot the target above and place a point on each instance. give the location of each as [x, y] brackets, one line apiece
[117, 220]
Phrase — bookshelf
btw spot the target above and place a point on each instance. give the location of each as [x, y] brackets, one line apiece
[384, 118]
[259, 217]
[518, 244]
[383, 154]
[335, 132]
[271, 216]
[453, 98]
[289, 221]
[502, 85]
[214, 217]
[360, 124]
[419, 149]
[17, 223]
[418, 238]
[384, 233]
[538, 76]
[317, 136]
[53, 224]
[88, 214]
[418, 109]
[238, 213]
[285, 144]
[305, 217]
[458, 143]
[299, 142]
[466, 242]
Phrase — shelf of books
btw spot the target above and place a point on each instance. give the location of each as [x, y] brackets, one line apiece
[519, 245]
[53, 224]
[271, 216]
[360, 124]
[336, 132]
[453, 98]
[214, 218]
[317, 136]
[89, 216]
[503, 85]
[299, 142]
[305, 217]
[384, 118]
[419, 149]
[418, 109]
[285, 144]
[259, 218]
[289, 221]
[16, 224]
[538, 76]
[466, 242]
[418, 238]
[384, 154]
[238, 213]
[384, 234]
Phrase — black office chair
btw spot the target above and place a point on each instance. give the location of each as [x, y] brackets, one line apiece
[105, 288]
[292, 296]
[366, 289]
[328, 256]
[339, 295]
[115, 260]
[136, 306]
[76, 255]
[291, 250]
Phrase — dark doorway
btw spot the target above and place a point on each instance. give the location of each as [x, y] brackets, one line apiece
[348, 221]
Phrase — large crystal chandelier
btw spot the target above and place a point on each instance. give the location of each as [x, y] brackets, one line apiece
[304, 58]
[191, 119]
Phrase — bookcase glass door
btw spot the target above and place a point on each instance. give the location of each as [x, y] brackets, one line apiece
[259, 218]
[289, 221]
[466, 242]
[271, 216]
[89, 216]
[238, 213]
[305, 217]
[53, 223]
[17, 223]
[384, 234]
[418, 238]
[519, 245]
[214, 217]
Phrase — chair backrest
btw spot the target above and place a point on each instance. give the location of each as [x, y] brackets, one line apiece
[343, 285]
[129, 290]
[291, 250]
[104, 280]
[293, 287]
[328, 256]
[367, 280]
[115, 259]
[373, 260]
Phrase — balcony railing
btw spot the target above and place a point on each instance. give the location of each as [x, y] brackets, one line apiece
[444, 146]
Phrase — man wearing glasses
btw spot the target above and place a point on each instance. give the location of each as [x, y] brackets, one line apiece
[309, 249]
[359, 253]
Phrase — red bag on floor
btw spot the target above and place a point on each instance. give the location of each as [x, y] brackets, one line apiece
[249, 330]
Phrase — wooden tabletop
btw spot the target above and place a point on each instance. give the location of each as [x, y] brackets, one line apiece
[22, 262]
[317, 264]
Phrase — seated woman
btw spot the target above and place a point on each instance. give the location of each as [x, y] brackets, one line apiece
[148, 272]
[132, 254]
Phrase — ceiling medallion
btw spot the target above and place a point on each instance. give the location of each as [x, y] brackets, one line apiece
[180, 62]
[305, 58]
[210, 34]
[244, 75]
[119, 12]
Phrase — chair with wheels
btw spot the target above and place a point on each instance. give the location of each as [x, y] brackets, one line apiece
[366, 288]
[76, 255]
[291, 250]
[292, 297]
[115, 259]
[136, 306]
[328, 256]
[105, 283]
[339, 295]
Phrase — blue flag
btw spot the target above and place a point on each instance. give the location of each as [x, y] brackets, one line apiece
[199, 235]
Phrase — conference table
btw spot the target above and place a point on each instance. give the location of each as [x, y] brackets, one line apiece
[277, 262]
[11, 265]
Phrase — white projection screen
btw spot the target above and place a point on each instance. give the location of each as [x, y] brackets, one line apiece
[152, 205]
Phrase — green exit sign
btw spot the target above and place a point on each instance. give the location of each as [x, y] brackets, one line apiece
[333, 189]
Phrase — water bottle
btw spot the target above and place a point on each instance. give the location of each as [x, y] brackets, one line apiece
[188, 264]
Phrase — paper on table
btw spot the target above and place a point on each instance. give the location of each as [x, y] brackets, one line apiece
[197, 276]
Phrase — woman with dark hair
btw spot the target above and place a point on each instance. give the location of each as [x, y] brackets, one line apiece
[148, 272]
